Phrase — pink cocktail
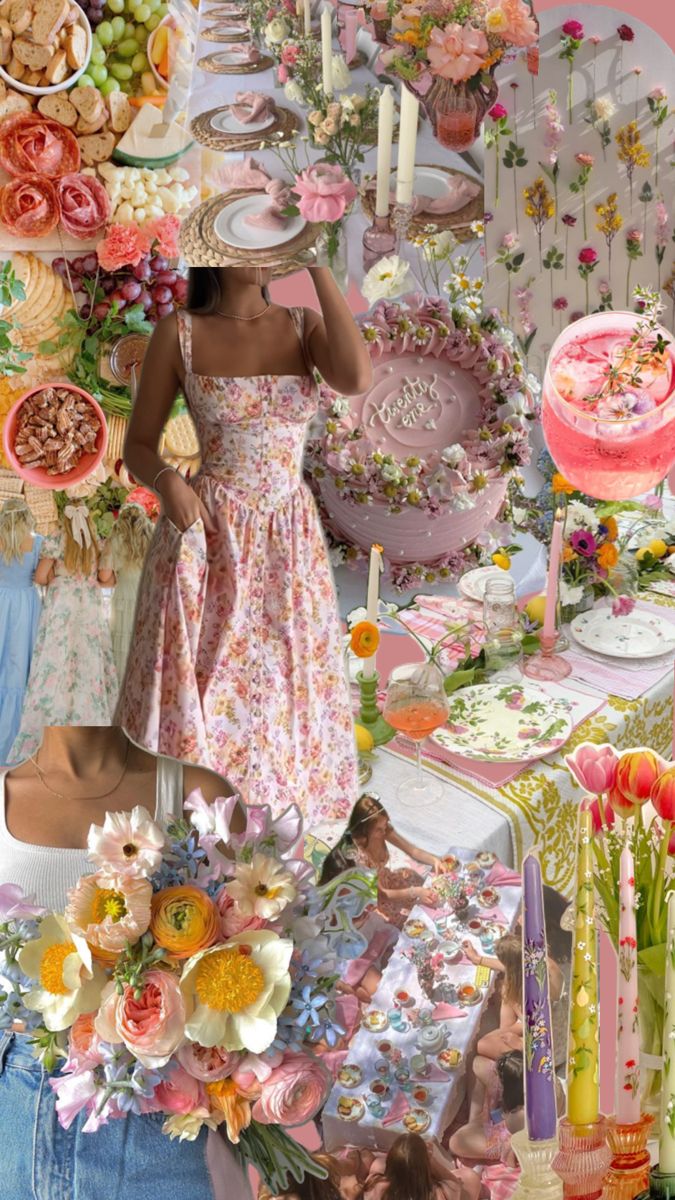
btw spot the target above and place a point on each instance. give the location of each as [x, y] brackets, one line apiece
[608, 408]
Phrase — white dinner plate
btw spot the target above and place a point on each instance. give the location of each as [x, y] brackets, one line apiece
[232, 228]
[638, 635]
[428, 181]
[472, 585]
[226, 122]
[231, 58]
[240, 31]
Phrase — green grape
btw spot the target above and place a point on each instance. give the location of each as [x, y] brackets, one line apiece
[85, 81]
[153, 5]
[118, 28]
[162, 10]
[121, 71]
[127, 48]
[110, 85]
[98, 55]
[116, 6]
[105, 34]
[127, 87]
[131, 5]
[139, 63]
[142, 12]
[129, 30]
[98, 73]
[141, 35]
[152, 22]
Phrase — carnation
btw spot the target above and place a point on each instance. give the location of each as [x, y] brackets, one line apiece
[164, 231]
[122, 246]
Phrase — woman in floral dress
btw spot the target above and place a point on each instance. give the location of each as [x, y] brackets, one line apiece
[236, 661]
[72, 680]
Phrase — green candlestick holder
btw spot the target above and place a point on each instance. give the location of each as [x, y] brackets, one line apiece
[661, 1186]
[369, 714]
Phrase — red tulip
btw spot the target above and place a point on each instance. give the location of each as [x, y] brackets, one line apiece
[637, 773]
[663, 795]
[593, 807]
[621, 806]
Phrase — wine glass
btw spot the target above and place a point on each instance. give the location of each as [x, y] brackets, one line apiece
[416, 705]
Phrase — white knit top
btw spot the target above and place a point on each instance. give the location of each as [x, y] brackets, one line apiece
[48, 872]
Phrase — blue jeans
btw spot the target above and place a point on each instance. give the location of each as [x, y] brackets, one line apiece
[128, 1159]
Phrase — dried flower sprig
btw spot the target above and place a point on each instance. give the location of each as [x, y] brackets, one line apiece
[645, 348]
[569, 221]
[588, 260]
[511, 258]
[609, 224]
[554, 260]
[645, 197]
[631, 152]
[657, 102]
[553, 136]
[633, 252]
[599, 113]
[661, 231]
[493, 133]
[578, 186]
[539, 207]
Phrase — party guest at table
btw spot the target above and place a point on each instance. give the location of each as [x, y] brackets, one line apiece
[489, 1139]
[365, 843]
[236, 660]
[413, 1170]
[73, 680]
[20, 549]
[128, 544]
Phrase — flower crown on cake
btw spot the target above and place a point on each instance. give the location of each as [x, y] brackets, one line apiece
[449, 477]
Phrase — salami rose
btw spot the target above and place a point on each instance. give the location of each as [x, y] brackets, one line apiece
[29, 207]
[85, 206]
[35, 145]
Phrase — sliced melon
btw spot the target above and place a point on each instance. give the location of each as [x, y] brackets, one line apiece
[138, 147]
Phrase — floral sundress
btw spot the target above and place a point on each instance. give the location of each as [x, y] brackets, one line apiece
[236, 659]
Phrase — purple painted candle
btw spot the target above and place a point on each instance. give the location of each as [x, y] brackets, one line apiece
[540, 1108]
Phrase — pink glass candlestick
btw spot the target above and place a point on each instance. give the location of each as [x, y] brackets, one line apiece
[546, 664]
[583, 1159]
[379, 239]
[628, 1059]
[608, 420]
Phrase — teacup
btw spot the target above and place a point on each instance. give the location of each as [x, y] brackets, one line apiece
[402, 998]
[402, 1074]
[385, 1048]
[375, 1106]
[420, 1064]
[383, 1068]
[379, 1087]
[475, 925]
[426, 1015]
[420, 1094]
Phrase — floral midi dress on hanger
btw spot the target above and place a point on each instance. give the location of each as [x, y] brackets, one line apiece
[236, 661]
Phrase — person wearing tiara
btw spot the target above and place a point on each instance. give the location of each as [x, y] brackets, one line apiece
[73, 680]
[365, 843]
[20, 570]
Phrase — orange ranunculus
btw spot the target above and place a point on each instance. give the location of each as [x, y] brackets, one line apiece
[663, 794]
[568, 554]
[225, 1097]
[184, 920]
[610, 524]
[637, 773]
[608, 556]
[364, 640]
[560, 485]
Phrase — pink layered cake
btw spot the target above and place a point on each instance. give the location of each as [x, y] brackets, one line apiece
[421, 463]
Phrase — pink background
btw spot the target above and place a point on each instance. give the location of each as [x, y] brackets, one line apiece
[299, 290]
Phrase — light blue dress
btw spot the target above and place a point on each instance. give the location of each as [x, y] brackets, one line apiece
[19, 617]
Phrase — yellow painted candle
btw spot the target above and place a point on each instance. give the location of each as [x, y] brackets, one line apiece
[582, 1073]
[667, 1139]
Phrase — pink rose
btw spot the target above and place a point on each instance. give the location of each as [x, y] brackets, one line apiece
[153, 1027]
[588, 255]
[457, 52]
[83, 1043]
[289, 55]
[573, 29]
[324, 192]
[294, 1092]
[180, 1093]
[207, 1062]
[657, 93]
[517, 25]
[584, 160]
[497, 112]
[634, 235]
[594, 767]
[282, 73]
[232, 921]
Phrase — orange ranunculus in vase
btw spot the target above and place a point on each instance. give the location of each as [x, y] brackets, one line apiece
[184, 920]
[364, 640]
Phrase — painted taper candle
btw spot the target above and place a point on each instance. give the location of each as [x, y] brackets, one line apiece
[540, 1103]
[583, 1092]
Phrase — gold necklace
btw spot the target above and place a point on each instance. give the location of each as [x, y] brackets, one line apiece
[235, 317]
[41, 776]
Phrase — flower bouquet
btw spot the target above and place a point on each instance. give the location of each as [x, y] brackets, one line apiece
[638, 787]
[342, 128]
[446, 54]
[192, 974]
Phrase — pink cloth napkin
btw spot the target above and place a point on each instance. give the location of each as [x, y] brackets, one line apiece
[502, 876]
[248, 175]
[348, 1013]
[333, 1060]
[433, 1075]
[460, 192]
[251, 106]
[496, 915]
[399, 1108]
[272, 217]
[248, 52]
[444, 1012]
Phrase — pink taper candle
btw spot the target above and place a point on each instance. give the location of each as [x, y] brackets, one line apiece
[628, 1055]
[553, 575]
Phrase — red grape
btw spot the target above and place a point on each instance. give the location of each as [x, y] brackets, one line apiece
[77, 265]
[90, 264]
[163, 310]
[142, 270]
[146, 300]
[167, 278]
[180, 290]
[162, 295]
[118, 298]
[159, 263]
[131, 290]
[101, 310]
[59, 265]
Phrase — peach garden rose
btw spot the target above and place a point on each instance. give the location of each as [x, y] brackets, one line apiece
[152, 1027]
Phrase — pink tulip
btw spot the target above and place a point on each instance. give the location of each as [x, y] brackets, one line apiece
[324, 192]
[593, 807]
[594, 767]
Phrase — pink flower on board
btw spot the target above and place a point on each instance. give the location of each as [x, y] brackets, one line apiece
[497, 112]
[588, 256]
[594, 767]
[573, 29]
[626, 34]
[324, 192]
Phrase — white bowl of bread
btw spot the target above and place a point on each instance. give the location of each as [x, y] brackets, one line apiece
[45, 45]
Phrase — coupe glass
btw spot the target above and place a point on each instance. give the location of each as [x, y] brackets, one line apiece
[622, 444]
[416, 705]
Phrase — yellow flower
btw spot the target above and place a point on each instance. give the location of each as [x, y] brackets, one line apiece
[65, 980]
[560, 485]
[631, 151]
[612, 528]
[184, 920]
[568, 554]
[501, 559]
[608, 556]
[658, 548]
[610, 218]
[364, 639]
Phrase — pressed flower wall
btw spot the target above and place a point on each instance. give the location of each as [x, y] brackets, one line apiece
[578, 175]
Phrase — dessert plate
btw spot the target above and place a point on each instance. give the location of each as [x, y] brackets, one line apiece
[504, 723]
[231, 225]
[472, 585]
[638, 635]
[226, 122]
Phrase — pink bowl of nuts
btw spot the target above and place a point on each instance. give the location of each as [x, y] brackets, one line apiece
[55, 435]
